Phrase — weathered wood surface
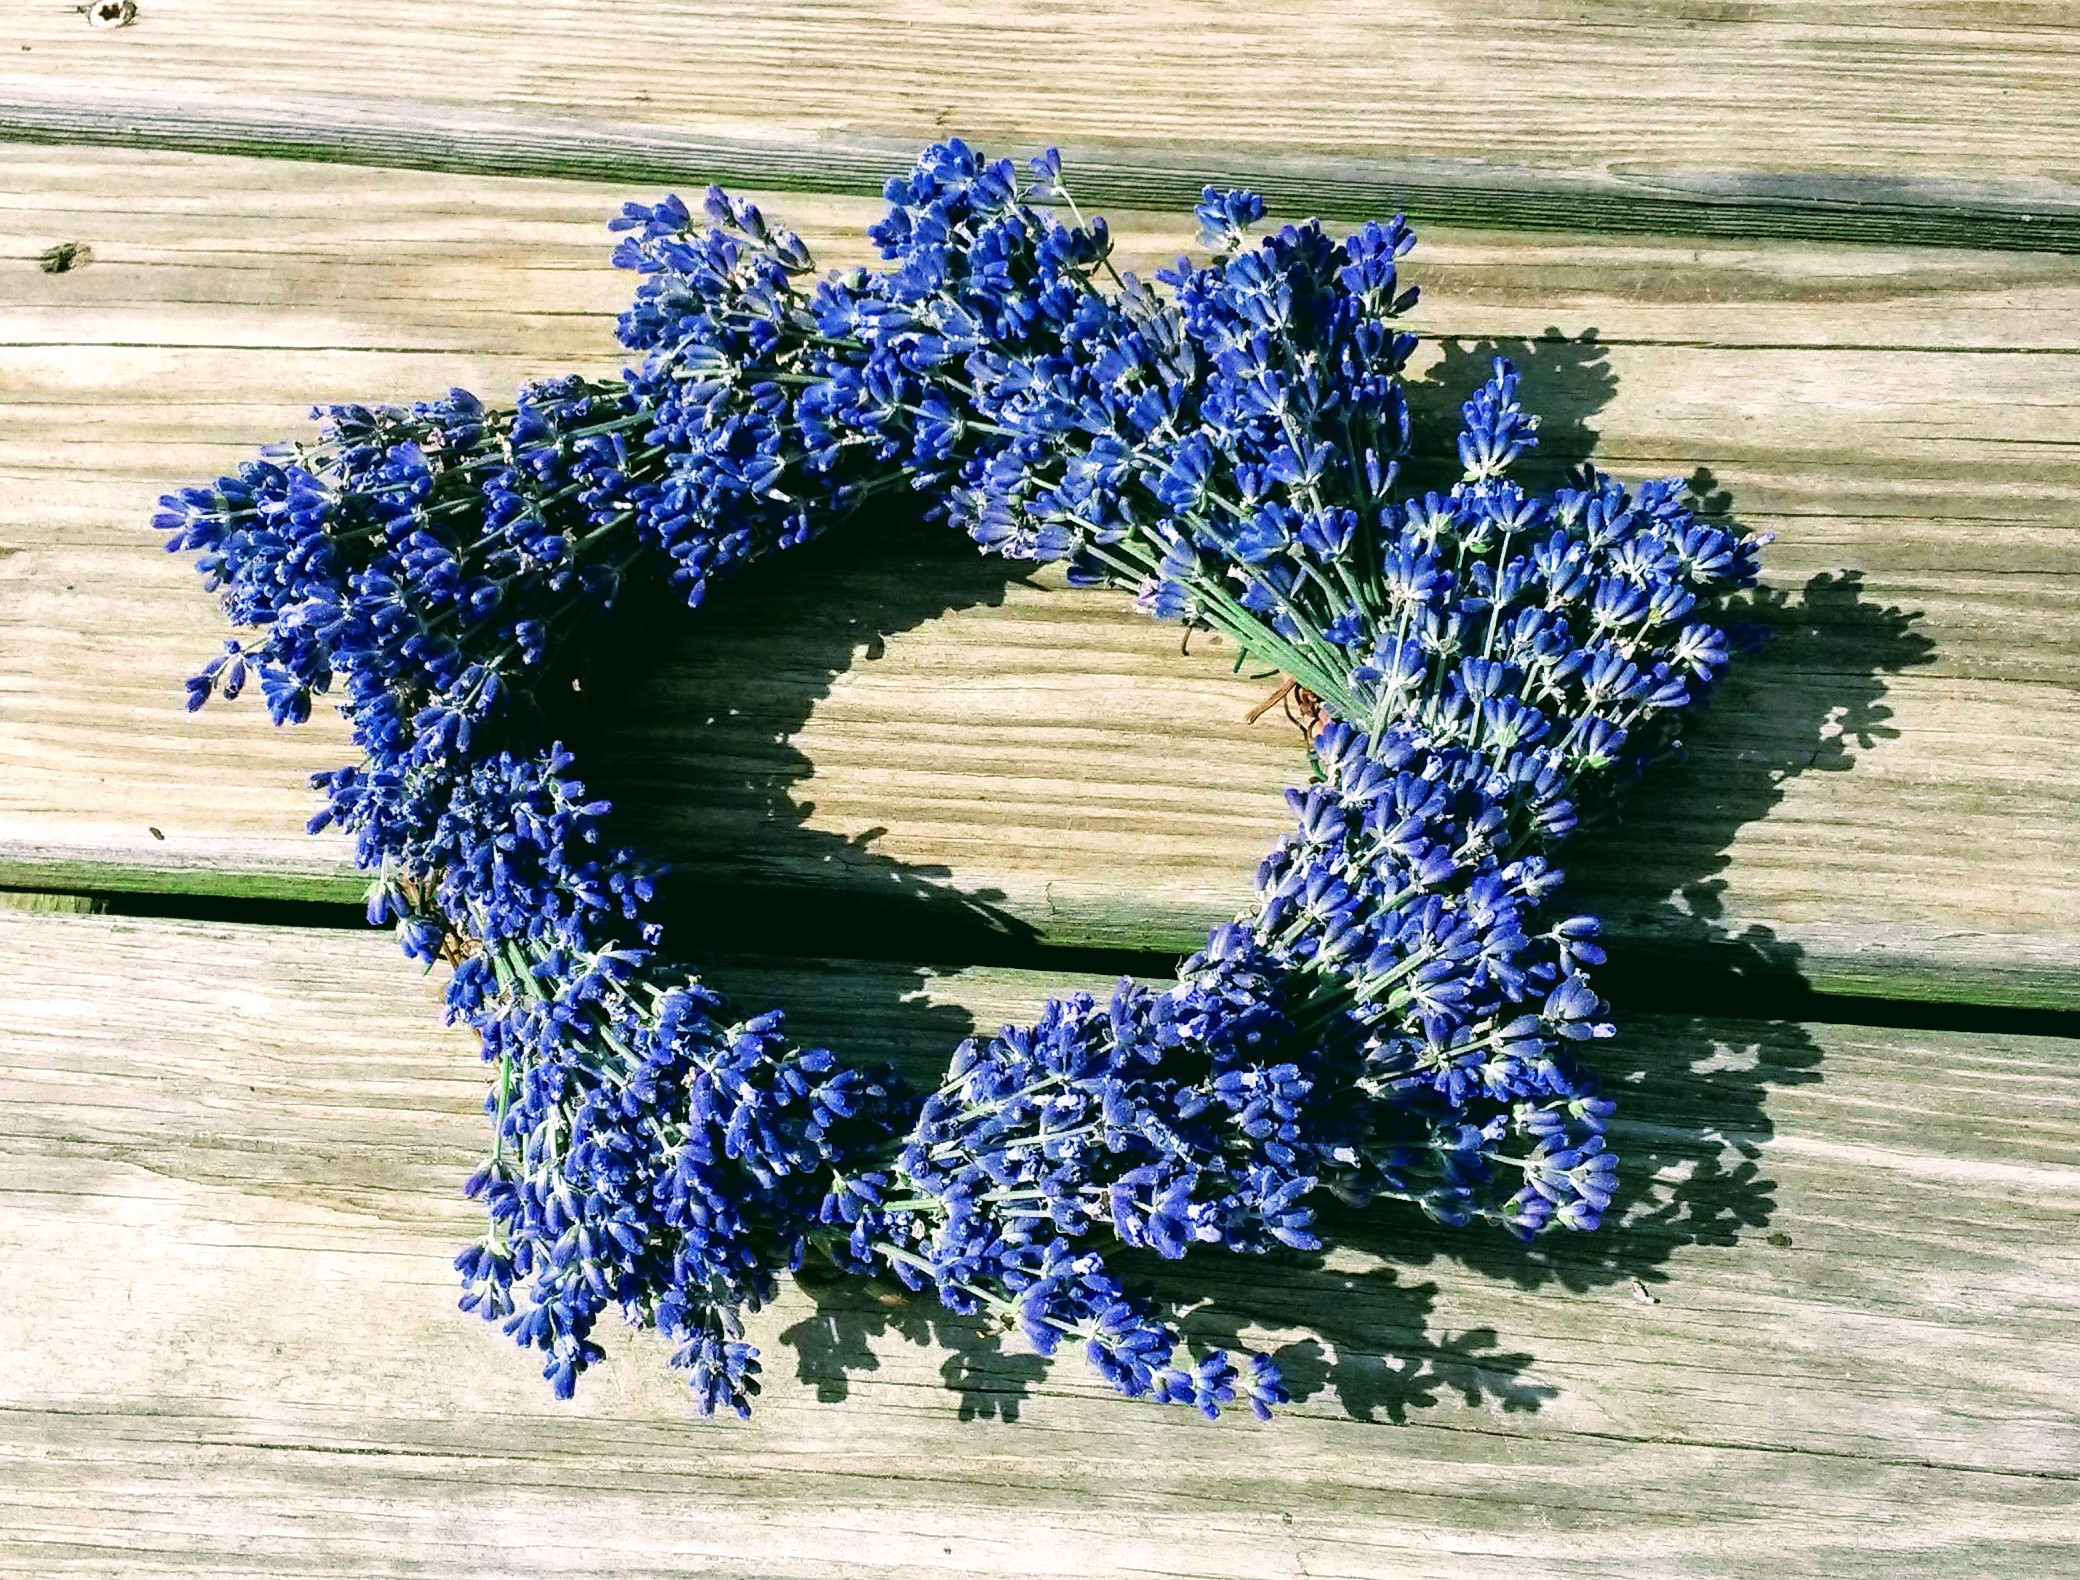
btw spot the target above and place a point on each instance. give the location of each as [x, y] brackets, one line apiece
[1840, 1324]
[1836, 1326]
[1884, 802]
[1924, 122]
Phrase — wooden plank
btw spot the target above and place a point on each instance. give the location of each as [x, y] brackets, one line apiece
[1884, 802]
[2031, 213]
[1922, 122]
[1836, 1325]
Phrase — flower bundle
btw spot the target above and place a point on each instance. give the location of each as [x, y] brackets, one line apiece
[1393, 1017]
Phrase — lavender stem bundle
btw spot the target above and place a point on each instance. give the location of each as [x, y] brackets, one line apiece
[1395, 1015]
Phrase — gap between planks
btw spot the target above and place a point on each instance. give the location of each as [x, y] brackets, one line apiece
[2036, 215]
[1922, 121]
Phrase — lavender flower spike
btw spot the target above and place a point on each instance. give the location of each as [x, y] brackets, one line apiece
[1398, 1015]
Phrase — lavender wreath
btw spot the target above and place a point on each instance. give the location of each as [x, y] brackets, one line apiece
[1394, 1017]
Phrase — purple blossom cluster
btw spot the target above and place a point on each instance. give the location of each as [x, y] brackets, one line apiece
[1395, 1016]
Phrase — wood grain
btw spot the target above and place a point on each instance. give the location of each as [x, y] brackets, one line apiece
[1834, 1326]
[1837, 1324]
[1884, 802]
[2029, 213]
[1923, 121]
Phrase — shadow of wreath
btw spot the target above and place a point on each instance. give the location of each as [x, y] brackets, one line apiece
[694, 744]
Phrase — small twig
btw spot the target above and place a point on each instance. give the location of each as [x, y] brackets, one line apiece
[1285, 690]
[1305, 709]
[1302, 708]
